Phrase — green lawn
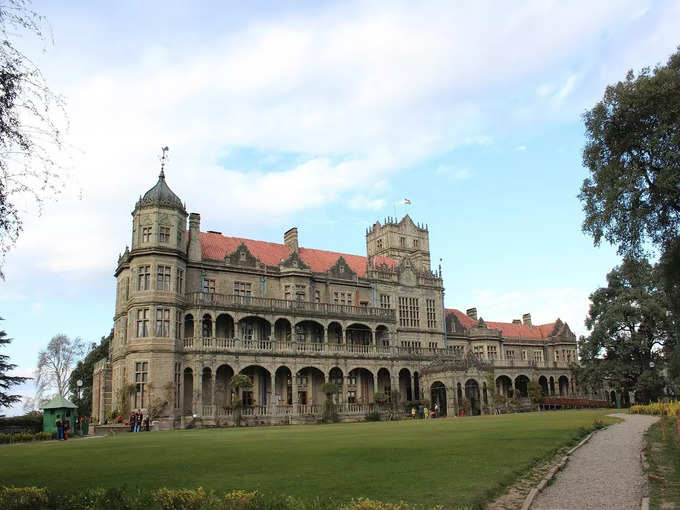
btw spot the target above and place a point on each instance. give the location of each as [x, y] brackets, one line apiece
[455, 461]
[664, 465]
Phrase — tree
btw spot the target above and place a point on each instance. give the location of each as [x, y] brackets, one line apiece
[82, 397]
[7, 381]
[628, 324]
[56, 363]
[633, 153]
[30, 120]
[330, 414]
[237, 382]
[535, 392]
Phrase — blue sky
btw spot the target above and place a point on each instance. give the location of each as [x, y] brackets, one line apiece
[324, 116]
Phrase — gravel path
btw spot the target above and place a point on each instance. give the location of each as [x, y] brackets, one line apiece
[603, 473]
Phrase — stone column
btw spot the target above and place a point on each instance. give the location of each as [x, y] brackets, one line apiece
[375, 383]
[413, 388]
[293, 374]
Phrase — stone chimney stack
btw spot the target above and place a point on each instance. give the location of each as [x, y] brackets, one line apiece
[472, 313]
[516, 321]
[290, 239]
[526, 319]
[195, 237]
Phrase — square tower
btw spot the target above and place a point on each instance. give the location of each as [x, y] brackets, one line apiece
[400, 240]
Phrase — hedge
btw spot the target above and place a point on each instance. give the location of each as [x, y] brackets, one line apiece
[34, 498]
[21, 438]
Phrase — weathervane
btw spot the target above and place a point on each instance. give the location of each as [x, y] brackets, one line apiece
[164, 158]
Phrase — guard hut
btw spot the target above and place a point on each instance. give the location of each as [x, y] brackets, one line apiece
[61, 407]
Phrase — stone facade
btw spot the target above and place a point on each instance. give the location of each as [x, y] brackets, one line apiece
[193, 308]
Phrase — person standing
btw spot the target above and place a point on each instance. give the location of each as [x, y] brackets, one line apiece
[138, 422]
[60, 428]
[436, 410]
[147, 419]
[67, 426]
[413, 412]
[132, 421]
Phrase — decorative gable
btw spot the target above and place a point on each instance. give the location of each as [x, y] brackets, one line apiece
[242, 256]
[341, 270]
[294, 262]
[407, 273]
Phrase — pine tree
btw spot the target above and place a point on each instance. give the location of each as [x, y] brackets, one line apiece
[7, 381]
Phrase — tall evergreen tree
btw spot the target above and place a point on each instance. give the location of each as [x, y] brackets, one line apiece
[7, 381]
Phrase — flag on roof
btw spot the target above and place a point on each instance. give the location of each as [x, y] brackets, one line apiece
[407, 201]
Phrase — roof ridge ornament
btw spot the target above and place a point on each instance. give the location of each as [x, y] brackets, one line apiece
[164, 158]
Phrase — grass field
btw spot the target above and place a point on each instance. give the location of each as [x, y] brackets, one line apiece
[457, 462]
[664, 465]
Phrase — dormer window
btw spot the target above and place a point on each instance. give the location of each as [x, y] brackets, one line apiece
[243, 256]
[379, 244]
[341, 269]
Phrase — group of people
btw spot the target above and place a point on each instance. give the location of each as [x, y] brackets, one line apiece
[425, 413]
[63, 427]
[139, 422]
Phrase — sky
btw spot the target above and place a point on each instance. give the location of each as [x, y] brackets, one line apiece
[326, 116]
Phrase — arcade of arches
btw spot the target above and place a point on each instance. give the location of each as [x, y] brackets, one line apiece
[205, 391]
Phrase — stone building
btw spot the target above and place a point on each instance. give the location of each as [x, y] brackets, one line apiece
[193, 308]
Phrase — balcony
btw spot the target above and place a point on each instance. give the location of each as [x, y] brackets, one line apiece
[283, 306]
[448, 357]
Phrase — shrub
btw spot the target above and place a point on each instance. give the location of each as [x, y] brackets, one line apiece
[374, 416]
[23, 437]
[239, 500]
[368, 504]
[23, 498]
[185, 499]
[29, 423]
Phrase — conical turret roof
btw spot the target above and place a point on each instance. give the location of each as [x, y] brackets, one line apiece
[161, 195]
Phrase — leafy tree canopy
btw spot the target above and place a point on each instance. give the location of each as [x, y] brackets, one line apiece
[83, 371]
[632, 150]
[629, 327]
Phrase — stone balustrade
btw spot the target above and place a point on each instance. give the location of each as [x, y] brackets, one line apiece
[289, 410]
[285, 306]
[277, 347]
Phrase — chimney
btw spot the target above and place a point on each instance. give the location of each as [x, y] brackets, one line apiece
[472, 313]
[526, 319]
[290, 239]
[195, 237]
[516, 321]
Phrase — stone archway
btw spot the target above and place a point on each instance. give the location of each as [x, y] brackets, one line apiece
[563, 383]
[438, 396]
[282, 330]
[259, 393]
[522, 385]
[309, 381]
[283, 386]
[188, 394]
[405, 384]
[543, 382]
[223, 376]
[224, 326]
[472, 394]
[504, 386]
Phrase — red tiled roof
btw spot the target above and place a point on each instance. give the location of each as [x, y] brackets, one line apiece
[507, 329]
[217, 246]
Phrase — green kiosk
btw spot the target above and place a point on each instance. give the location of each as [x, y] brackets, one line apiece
[61, 407]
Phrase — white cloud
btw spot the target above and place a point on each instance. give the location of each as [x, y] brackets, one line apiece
[521, 148]
[360, 91]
